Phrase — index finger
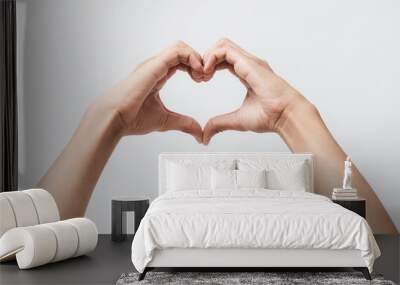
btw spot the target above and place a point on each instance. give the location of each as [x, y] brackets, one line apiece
[152, 71]
[230, 55]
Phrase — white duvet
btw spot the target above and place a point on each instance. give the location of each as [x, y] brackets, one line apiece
[251, 218]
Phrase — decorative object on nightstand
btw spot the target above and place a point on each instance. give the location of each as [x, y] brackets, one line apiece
[120, 206]
[357, 205]
[346, 192]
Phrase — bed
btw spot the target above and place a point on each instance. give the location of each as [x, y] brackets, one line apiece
[247, 210]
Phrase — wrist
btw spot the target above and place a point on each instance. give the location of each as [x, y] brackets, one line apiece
[105, 118]
[298, 118]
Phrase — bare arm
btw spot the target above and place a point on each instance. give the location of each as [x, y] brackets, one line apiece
[303, 130]
[272, 105]
[73, 176]
[132, 107]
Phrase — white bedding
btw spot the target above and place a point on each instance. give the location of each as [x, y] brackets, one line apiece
[251, 218]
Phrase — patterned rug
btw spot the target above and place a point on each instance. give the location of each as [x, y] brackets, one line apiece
[231, 278]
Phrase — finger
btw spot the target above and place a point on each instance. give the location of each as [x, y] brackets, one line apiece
[229, 67]
[220, 66]
[229, 42]
[148, 74]
[179, 53]
[194, 75]
[183, 123]
[160, 84]
[245, 52]
[224, 42]
[229, 121]
[209, 58]
[181, 67]
[218, 55]
[239, 61]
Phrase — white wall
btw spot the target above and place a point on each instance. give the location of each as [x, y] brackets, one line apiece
[342, 55]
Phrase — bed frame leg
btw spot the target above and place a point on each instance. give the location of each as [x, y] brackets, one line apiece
[143, 274]
[364, 271]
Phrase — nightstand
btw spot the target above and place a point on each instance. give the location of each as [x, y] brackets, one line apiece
[358, 205]
[119, 207]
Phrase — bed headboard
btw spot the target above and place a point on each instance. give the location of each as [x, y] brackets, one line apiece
[234, 156]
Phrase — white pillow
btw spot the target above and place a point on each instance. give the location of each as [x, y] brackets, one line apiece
[223, 179]
[293, 178]
[251, 178]
[189, 175]
[237, 179]
[281, 174]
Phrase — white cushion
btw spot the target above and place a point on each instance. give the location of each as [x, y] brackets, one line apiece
[23, 208]
[186, 175]
[281, 174]
[67, 237]
[32, 246]
[251, 178]
[26, 208]
[228, 179]
[223, 179]
[7, 218]
[40, 244]
[87, 233]
[45, 205]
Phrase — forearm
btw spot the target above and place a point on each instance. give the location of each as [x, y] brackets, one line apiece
[303, 130]
[73, 176]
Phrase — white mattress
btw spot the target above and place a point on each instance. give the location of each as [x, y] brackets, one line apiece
[252, 218]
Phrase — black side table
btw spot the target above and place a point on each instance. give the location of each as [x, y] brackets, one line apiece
[119, 207]
[357, 206]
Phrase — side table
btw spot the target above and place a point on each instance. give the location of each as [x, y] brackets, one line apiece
[119, 207]
[357, 205]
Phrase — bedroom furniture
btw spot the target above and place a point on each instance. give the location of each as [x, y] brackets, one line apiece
[47, 243]
[27, 208]
[358, 206]
[105, 264]
[285, 171]
[119, 207]
[32, 234]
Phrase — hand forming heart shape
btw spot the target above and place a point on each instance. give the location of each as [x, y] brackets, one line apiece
[141, 110]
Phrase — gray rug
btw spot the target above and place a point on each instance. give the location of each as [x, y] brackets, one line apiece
[230, 278]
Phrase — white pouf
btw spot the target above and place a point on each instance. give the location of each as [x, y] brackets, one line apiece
[45, 205]
[87, 233]
[31, 232]
[37, 245]
[7, 218]
[23, 208]
[67, 238]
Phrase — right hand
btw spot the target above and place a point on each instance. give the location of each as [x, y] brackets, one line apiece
[267, 94]
[136, 100]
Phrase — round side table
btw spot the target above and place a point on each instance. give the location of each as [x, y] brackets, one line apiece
[119, 207]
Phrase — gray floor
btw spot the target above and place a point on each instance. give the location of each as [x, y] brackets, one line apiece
[110, 260]
[103, 266]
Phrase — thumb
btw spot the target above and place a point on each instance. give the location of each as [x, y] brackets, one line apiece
[183, 123]
[228, 121]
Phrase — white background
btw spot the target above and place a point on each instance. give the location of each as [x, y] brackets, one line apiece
[342, 55]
